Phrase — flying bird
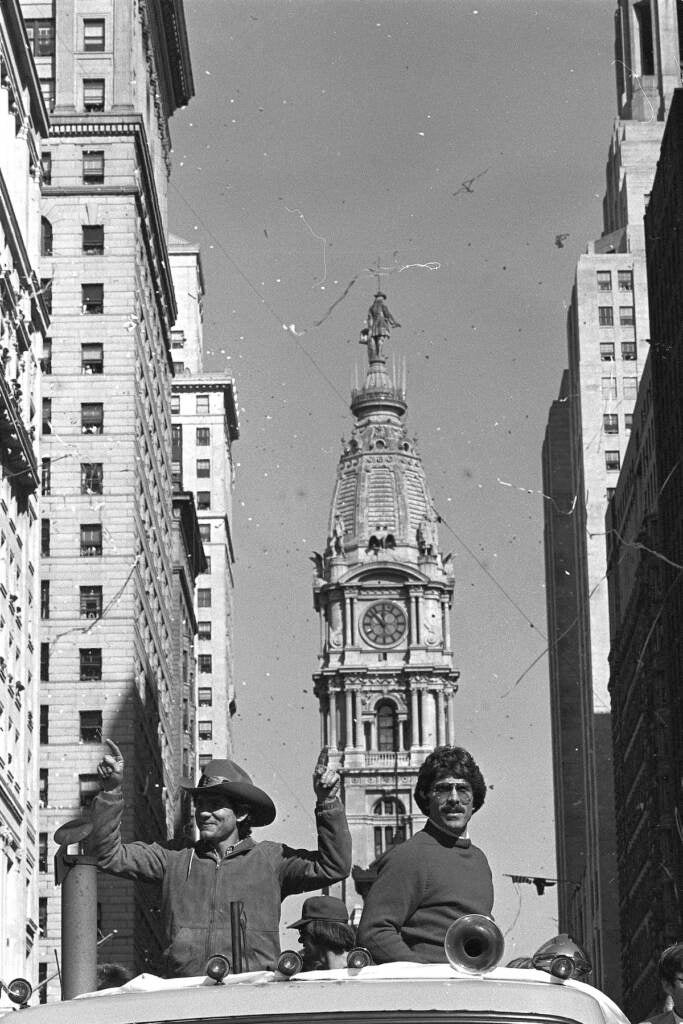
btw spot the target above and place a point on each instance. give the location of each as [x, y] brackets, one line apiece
[559, 240]
[466, 185]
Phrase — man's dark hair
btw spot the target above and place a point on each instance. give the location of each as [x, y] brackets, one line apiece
[112, 975]
[455, 761]
[671, 963]
[334, 936]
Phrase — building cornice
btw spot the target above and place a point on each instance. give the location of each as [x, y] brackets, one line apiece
[206, 382]
[165, 19]
[108, 126]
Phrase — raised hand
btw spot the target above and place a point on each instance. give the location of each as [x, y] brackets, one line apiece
[326, 780]
[110, 768]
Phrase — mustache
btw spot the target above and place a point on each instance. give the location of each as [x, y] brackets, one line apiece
[454, 807]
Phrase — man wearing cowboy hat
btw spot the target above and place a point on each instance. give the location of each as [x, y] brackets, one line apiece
[200, 879]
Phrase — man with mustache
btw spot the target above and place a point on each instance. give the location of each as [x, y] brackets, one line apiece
[428, 882]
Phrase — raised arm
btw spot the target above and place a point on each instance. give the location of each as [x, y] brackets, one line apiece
[301, 870]
[140, 861]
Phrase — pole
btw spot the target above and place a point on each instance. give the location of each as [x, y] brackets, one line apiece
[79, 927]
[236, 929]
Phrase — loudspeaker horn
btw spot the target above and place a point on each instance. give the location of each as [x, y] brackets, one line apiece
[474, 944]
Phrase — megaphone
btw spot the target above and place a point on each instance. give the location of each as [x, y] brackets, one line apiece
[474, 944]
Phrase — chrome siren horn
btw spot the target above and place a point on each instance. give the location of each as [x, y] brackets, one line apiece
[290, 963]
[474, 943]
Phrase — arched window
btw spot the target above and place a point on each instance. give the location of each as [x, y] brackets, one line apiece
[387, 726]
[45, 237]
[392, 829]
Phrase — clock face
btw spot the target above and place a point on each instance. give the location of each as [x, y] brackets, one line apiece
[384, 623]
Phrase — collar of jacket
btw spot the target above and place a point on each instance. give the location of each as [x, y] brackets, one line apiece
[445, 837]
[204, 849]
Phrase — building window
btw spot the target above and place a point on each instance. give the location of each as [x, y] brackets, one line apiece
[93, 35]
[610, 493]
[203, 467]
[93, 94]
[628, 350]
[605, 316]
[41, 36]
[204, 597]
[92, 418]
[610, 423]
[46, 292]
[204, 760]
[628, 422]
[607, 351]
[46, 477]
[91, 540]
[92, 240]
[90, 663]
[88, 788]
[392, 829]
[604, 280]
[175, 403]
[45, 662]
[387, 726]
[45, 237]
[627, 316]
[178, 368]
[45, 599]
[43, 787]
[42, 851]
[91, 602]
[90, 726]
[205, 532]
[205, 663]
[207, 570]
[92, 298]
[92, 474]
[177, 339]
[203, 435]
[47, 87]
[205, 730]
[630, 387]
[45, 537]
[608, 387]
[92, 357]
[93, 166]
[46, 165]
[202, 403]
[47, 416]
[46, 357]
[612, 460]
[625, 280]
[42, 915]
[204, 630]
[44, 723]
[205, 696]
[203, 499]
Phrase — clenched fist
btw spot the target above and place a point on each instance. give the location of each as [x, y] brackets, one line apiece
[110, 768]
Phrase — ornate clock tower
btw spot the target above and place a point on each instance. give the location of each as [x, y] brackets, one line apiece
[386, 681]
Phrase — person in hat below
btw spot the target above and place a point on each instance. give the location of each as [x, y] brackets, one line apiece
[325, 933]
[426, 883]
[200, 879]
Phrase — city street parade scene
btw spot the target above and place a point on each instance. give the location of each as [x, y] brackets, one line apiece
[341, 511]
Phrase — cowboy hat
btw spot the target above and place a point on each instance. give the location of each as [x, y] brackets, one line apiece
[322, 908]
[227, 778]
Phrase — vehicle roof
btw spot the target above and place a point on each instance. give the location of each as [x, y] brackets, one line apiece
[373, 990]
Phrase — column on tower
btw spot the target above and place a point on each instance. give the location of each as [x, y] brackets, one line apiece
[349, 731]
[415, 738]
[332, 725]
[440, 719]
[428, 719]
[446, 624]
[450, 718]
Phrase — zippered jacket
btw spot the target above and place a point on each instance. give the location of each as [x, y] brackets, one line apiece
[198, 886]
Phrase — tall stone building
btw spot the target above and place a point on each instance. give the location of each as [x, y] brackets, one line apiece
[205, 426]
[24, 326]
[386, 681]
[645, 547]
[113, 72]
[588, 429]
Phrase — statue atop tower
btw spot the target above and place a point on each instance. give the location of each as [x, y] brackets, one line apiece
[385, 684]
[376, 331]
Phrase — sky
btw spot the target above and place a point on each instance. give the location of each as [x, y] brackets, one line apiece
[462, 144]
